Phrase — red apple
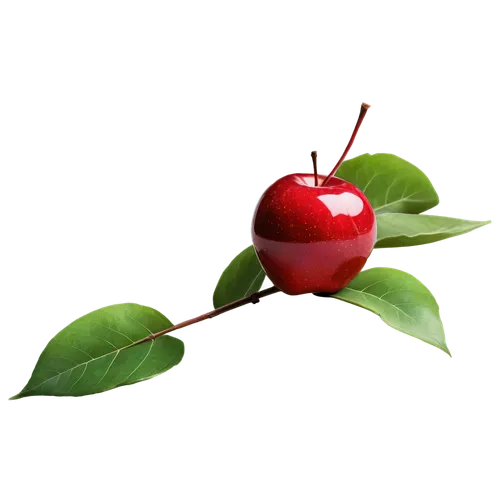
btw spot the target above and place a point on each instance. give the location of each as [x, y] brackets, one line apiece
[313, 238]
[314, 233]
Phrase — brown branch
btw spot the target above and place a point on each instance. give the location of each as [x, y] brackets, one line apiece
[254, 299]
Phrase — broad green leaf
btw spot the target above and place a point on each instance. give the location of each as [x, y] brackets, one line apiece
[391, 184]
[400, 300]
[404, 230]
[92, 354]
[241, 278]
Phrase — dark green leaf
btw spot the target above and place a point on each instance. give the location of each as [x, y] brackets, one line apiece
[404, 230]
[241, 278]
[92, 354]
[391, 184]
[400, 300]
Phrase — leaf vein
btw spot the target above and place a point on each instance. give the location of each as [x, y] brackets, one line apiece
[371, 284]
[139, 323]
[399, 200]
[140, 364]
[81, 350]
[79, 378]
[253, 282]
[384, 301]
[388, 189]
[71, 370]
[369, 182]
[113, 330]
[110, 343]
[107, 369]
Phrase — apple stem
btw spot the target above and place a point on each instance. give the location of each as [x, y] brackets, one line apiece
[362, 113]
[314, 155]
[253, 298]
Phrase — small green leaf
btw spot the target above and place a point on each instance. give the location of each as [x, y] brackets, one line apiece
[92, 354]
[404, 230]
[391, 184]
[400, 300]
[241, 278]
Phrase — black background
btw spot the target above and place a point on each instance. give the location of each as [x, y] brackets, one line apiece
[116, 197]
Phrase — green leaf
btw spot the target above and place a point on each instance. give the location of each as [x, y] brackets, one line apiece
[391, 184]
[92, 354]
[400, 300]
[241, 278]
[404, 230]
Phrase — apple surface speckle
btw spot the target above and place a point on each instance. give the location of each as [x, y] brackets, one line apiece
[312, 238]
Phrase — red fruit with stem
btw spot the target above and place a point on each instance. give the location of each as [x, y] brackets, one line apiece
[314, 233]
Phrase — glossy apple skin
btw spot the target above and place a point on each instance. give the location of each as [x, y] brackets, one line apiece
[313, 238]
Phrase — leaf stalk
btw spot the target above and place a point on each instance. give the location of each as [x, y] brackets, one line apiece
[314, 155]
[362, 113]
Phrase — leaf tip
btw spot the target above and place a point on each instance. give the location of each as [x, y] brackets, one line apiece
[13, 398]
[448, 352]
